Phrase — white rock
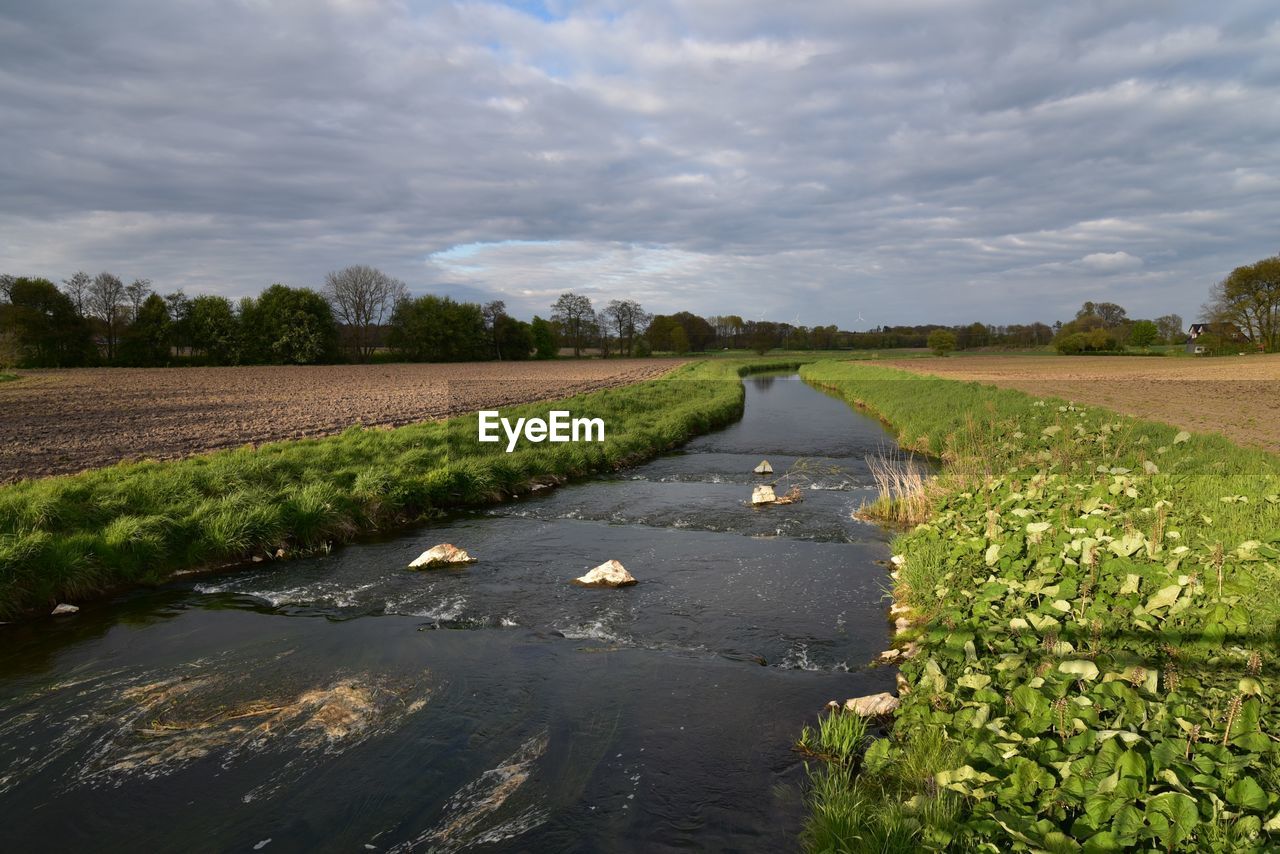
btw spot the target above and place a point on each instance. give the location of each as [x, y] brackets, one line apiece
[763, 494]
[64, 609]
[901, 624]
[441, 555]
[608, 574]
[763, 468]
[889, 655]
[872, 705]
[897, 560]
[898, 608]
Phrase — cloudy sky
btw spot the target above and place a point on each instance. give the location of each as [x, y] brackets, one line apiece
[824, 162]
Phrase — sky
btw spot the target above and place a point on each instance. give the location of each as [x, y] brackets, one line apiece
[819, 162]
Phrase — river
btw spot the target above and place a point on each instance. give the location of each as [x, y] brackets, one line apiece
[345, 703]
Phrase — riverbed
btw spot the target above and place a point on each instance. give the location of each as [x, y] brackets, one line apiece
[343, 702]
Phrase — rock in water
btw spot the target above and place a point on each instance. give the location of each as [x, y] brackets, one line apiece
[608, 574]
[872, 705]
[445, 554]
[764, 468]
[763, 494]
[64, 609]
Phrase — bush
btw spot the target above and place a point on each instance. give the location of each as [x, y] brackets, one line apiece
[1094, 341]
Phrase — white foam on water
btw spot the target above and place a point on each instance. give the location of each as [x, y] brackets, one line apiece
[797, 658]
[448, 608]
[321, 593]
[595, 630]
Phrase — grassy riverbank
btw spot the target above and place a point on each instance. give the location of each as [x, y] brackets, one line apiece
[138, 523]
[1096, 601]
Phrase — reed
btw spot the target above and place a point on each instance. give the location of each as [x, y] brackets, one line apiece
[902, 486]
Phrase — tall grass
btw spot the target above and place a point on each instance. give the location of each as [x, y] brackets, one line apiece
[902, 487]
[74, 536]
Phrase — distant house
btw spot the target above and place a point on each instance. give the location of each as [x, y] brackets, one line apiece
[1227, 332]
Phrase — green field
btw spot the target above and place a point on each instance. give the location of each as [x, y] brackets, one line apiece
[1096, 601]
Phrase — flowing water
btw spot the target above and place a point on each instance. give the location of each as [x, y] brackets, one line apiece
[346, 703]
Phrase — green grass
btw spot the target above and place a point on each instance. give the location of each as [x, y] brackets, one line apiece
[77, 536]
[1097, 602]
[6, 378]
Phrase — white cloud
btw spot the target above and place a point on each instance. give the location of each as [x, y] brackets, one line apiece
[1110, 262]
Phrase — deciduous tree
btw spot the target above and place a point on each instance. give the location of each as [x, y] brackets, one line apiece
[493, 312]
[1171, 329]
[76, 287]
[544, 338]
[942, 341]
[362, 299]
[44, 326]
[137, 292]
[438, 329]
[1249, 298]
[213, 329]
[1144, 333]
[106, 302]
[146, 341]
[289, 326]
[576, 318]
[626, 319]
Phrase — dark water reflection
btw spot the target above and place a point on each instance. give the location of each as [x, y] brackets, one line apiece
[344, 703]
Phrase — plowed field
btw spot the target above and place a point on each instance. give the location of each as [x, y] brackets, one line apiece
[62, 421]
[1238, 396]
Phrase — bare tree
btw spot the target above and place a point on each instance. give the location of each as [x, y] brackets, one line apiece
[363, 298]
[1171, 328]
[493, 312]
[77, 289]
[626, 318]
[106, 302]
[605, 335]
[6, 285]
[576, 318]
[137, 291]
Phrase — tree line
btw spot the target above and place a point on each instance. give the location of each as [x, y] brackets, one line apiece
[362, 314]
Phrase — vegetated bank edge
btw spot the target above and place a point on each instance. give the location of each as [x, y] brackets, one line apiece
[1095, 600]
[78, 536]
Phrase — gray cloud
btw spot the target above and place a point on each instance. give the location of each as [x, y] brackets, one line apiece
[925, 161]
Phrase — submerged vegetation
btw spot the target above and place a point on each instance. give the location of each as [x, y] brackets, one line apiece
[1096, 601]
[75, 536]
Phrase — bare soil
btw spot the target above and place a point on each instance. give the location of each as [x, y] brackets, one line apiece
[64, 421]
[1237, 396]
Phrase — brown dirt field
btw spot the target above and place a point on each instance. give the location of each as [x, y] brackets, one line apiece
[1238, 396]
[63, 421]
